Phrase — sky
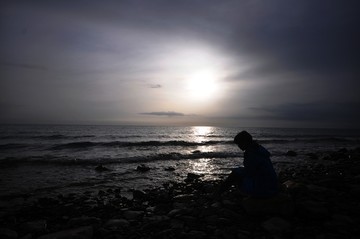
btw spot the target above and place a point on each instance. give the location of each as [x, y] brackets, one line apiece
[267, 63]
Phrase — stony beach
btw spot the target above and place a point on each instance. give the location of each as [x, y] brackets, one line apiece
[319, 198]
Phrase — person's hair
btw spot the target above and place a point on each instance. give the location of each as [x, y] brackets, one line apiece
[243, 137]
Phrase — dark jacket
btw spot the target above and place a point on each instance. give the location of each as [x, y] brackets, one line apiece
[260, 177]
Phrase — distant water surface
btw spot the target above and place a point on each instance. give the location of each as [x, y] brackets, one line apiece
[38, 159]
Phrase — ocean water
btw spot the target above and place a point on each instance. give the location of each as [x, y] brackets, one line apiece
[50, 159]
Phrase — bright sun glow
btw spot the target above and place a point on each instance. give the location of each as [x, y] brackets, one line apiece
[202, 85]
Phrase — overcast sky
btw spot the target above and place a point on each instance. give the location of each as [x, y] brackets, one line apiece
[202, 62]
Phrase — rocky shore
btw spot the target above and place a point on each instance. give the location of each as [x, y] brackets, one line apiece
[319, 199]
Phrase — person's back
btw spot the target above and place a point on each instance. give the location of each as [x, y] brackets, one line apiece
[260, 177]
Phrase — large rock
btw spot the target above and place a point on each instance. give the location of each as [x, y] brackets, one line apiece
[34, 226]
[313, 209]
[132, 215]
[355, 190]
[8, 234]
[101, 168]
[194, 234]
[142, 168]
[156, 219]
[192, 177]
[170, 168]
[280, 204]
[177, 211]
[77, 233]
[177, 224]
[183, 198]
[139, 195]
[291, 153]
[116, 223]
[84, 221]
[276, 225]
[294, 187]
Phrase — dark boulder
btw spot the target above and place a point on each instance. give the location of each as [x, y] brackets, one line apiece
[101, 168]
[192, 177]
[170, 169]
[291, 153]
[142, 168]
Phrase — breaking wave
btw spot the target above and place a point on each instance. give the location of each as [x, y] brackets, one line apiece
[88, 144]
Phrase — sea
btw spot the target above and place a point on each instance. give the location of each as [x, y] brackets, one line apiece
[52, 159]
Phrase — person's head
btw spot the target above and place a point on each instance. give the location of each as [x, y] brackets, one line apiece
[243, 140]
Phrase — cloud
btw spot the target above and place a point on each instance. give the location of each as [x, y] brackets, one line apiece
[164, 113]
[155, 86]
[25, 66]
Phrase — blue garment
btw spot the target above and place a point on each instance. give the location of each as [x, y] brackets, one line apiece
[258, 177]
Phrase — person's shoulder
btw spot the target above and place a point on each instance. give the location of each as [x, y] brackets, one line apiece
[257, 150]
[252, 149]
[262, 150]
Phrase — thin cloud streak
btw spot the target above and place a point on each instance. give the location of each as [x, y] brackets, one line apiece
[155, 86]
[25, 66]
[167, 113]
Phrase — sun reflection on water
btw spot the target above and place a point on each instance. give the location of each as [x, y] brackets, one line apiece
[202, 134]
[199, 133]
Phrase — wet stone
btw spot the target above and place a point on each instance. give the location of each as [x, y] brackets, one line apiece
[280, 204]
[77, 233]
[312, 156]
[169, 169]
[312, 209]
[291, 153]
[195, 234]
[176, 212]
[139, 195]
[83, 221]
[192, 177]
[34, 226]
[8, 234]
[132, 215]
[46, 202]
[176, 224]
[101, 168]
[276, 225]
[116, 223]
[142, 168]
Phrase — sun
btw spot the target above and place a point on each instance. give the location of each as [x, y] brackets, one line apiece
[201, 85]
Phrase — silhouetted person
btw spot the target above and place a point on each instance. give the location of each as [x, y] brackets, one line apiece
[257, 177]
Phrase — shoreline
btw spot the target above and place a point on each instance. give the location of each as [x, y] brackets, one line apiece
[319, 199]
